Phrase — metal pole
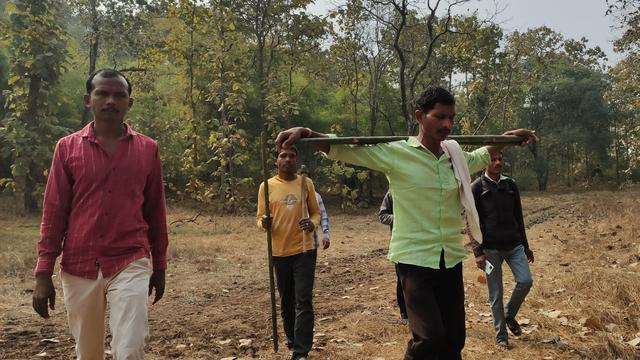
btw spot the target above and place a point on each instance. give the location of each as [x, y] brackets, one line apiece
[461, 139]
[267, 213]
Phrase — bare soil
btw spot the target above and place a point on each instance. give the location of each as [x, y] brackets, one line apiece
[585, 302]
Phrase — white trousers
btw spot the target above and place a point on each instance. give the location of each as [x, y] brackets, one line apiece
[126, 293]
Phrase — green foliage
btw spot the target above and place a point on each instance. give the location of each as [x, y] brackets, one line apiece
[38, 50]
[208, 77]
[346, 181]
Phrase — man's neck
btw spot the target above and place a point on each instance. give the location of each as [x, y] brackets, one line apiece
[286, 176]
[431, 145]
[108, 129]
[493, 176]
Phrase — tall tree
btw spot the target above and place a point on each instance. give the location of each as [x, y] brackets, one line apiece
[560, 94]
[348, 54]
[265, 21]
[415, 34]
[112, 28]
[626, 90]
[38, 53]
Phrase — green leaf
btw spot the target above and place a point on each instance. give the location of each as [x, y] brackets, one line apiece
[13, 79]
[10, 8]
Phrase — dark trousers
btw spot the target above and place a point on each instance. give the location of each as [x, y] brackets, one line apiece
[400, 296]
[295, 275]
[435, 305]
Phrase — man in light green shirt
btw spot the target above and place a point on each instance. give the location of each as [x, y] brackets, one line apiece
[426, 241]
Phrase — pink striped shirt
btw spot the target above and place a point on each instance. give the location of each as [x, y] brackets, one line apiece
[100, 211]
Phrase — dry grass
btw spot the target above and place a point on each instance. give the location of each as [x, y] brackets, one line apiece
[18, 236]
[586, 269]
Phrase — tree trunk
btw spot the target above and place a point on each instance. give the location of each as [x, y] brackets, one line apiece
[29, 201]
[94, 46]
[192, 102]
[616, 148]
[402, 12]
[355, 94]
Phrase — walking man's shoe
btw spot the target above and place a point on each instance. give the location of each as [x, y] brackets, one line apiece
[503, 344]
[513, 326]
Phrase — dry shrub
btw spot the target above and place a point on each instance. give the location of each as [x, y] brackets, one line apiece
[17, 262]
[202, 240]
[613, 349]
[18, 239]
[608, 289]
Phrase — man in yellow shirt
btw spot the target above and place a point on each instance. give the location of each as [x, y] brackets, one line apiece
[294, 217]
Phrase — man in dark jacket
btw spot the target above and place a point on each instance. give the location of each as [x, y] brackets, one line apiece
[504, 239]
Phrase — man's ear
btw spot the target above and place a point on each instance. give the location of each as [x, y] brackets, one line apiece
[130, 102]
[87, 100]
[419, 115]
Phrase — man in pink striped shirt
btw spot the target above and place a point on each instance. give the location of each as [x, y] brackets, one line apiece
[104, 211]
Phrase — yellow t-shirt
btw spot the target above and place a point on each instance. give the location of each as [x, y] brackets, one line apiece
[286, 211]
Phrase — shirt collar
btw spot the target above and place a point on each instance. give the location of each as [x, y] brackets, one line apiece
[502, 177]
[413, 142]
[88, 131]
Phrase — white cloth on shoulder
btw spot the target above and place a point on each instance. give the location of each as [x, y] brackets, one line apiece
[461, 172]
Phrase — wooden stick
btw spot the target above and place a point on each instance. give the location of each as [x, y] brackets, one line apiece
[303, 202]
[267, 213]
[461, 139]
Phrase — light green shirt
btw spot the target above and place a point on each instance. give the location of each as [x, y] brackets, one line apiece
[426, 202]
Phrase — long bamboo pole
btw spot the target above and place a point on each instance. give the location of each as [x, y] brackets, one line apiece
[267, 213]
[461, 139]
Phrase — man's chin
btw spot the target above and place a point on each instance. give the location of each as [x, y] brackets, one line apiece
[111, 117]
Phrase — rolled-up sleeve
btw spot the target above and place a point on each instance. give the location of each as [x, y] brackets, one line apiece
[477, 159]
[375, 157]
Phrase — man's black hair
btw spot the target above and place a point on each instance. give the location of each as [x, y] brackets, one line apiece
[433, 95]
[106, 73]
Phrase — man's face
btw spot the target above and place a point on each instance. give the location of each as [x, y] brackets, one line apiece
[436, 124]
[109, 99]
[287, 161]
[495, 166]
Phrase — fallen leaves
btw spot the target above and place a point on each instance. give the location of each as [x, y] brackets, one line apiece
[481, 279]
[553, 314]
[591, 322]
[635, 342]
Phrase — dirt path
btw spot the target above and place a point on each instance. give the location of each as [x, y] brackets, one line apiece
[584, 303]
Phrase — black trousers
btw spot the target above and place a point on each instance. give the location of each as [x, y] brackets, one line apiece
[400, 296]
[295, 275]
[435, 305]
